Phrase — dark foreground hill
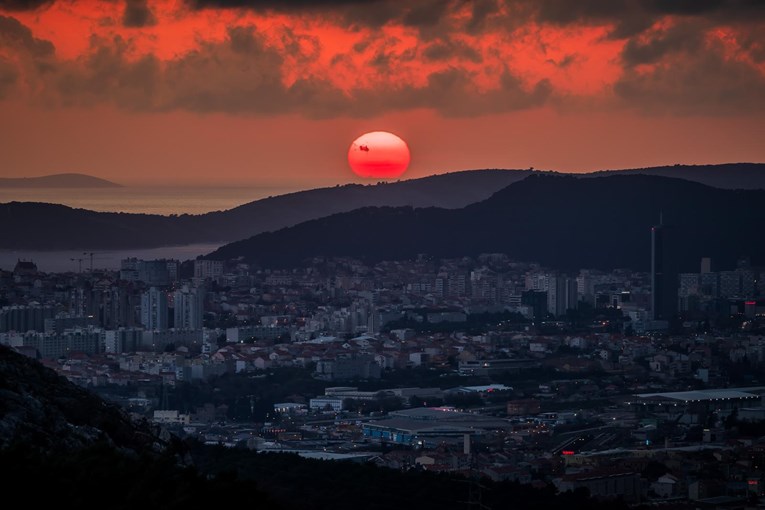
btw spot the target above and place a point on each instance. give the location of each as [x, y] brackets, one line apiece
[57, 181]
[60, 445]
[40, 226]
[44, 412]
[559, 221]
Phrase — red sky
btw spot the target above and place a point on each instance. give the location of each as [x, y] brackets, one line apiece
[273, 92]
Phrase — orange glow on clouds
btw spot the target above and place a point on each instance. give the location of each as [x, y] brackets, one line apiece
[576, 60]
[359, 59]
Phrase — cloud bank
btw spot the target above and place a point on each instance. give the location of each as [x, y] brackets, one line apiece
[360, 58]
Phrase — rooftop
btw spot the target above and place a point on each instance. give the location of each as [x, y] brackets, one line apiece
[700, 395]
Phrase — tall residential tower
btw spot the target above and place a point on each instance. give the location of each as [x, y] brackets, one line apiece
[663, 273]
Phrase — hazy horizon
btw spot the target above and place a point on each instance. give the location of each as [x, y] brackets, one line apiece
[324, 183]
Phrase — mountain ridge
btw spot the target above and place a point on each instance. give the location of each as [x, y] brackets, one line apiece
[41, 226]
[727, 176]
[33, 225]
[560, 221]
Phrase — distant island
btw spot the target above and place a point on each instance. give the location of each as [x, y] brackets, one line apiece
[57, 181]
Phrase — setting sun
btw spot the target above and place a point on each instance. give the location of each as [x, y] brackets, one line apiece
[379, 154]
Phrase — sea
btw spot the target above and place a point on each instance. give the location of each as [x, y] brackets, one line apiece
[129, 199]
[149, 200]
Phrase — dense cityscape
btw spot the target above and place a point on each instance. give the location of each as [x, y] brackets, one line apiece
[645, 387]
[376, 254]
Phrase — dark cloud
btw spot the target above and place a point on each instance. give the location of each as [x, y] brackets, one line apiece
[680, 70]
[426, 13]
[565, 61]
[282, 5]
[23, 5]
[627, 15]
[353, 13]
[243, 40]
[675, 70]
[632, 17]
[244, 75]
[728, 9]
[303, 47]
[386, 60]
[361, 46]
[753, 43]
[481, 10]
[137, 14]
[105, 75]
[451, 93]
[448, 49]
[434, 18]
[373, 13]
[241, 75]
[650, 48]
[9, 75]
[14, 34]
[30, 56]
[566, 11]
[695, 83]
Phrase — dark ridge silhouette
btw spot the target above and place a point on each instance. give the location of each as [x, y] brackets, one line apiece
[559, 221]
[40, 226]
[57, 181]
[727, 176]
[35, 226]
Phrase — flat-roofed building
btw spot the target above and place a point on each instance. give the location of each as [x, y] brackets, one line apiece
[718, 400]
[493, 366]
[430, 426]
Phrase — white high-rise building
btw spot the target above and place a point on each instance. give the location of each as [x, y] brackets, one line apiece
[154, 309]
[189, 307]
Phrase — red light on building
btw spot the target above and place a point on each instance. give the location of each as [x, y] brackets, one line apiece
[751, 303]
[567, 452]
[753, 482]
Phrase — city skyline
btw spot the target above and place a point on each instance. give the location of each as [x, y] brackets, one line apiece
[383, 254]
[273, 94]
